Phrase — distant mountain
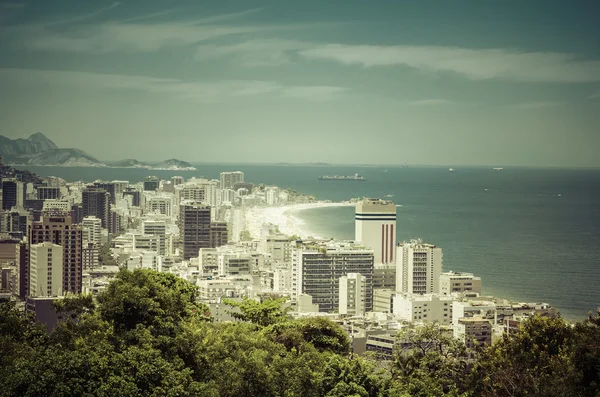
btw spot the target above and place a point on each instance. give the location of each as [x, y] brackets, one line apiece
[39, 150]
[24, 147]
[174, 165]
[65, 157]
[131, 163]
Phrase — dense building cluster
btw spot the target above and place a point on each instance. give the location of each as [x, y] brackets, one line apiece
[58, 238]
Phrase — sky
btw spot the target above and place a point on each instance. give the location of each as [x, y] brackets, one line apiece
[379, 82]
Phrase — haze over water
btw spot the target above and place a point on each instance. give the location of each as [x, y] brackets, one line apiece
[532, 234]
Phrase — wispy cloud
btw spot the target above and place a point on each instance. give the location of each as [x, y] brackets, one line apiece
[83, 17]
[134, 34]
[473, 64]
[203, 91]
[539, 105]
[430, 102]
[264, 52]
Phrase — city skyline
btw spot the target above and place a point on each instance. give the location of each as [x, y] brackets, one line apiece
[475, 83]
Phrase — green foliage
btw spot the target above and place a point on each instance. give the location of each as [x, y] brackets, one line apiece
[147, 336]
[320, 332]
[105, 256]
[545, 357]
[262, 313]
[432, 363]
[143, 297]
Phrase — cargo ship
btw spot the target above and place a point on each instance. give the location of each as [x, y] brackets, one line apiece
[354, 178]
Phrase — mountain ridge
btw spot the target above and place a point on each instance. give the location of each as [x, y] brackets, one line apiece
[39, 150]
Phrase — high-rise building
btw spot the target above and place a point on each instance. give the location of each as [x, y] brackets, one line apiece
[13, 252]
[114, 188]
[418, 267]
[317, 268]
[272, 195]
[375, 222]
[176, 180]
[90, 256]
[45, 269]
[229, 179]
[96, 202]
[151, 183]
[135, 196]
[15, 222]
[48, 193]
[92, 230]
[13, 193]
[152, 227]
[218, 234]
[194, 228]
[353, 294]
[58, 228]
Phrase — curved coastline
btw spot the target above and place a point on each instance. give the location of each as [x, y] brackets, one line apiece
[284, 217]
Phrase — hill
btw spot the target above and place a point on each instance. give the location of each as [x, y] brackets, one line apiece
[39, 150]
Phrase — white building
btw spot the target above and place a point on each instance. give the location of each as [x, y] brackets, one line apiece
[474, 308]
[419, 266]
[452, 282]
[229, 179]
[279, 247]
[91, 230]
[272, 195]
[282, 280]
[375, 223]
[57, 204]
[423, 308]
[208, 262]
[160, 203]
[46, 270]
[317, 268]
[234, 263]
[153, 227]
[353, 291]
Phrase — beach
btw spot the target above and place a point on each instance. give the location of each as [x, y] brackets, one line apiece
[284, 217]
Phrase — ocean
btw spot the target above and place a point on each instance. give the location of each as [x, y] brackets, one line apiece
[531, 234]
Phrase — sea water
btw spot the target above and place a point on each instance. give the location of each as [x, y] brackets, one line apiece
[531, 234]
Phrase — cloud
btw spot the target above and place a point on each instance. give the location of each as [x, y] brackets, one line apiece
[203, 91]
[85, 16]
[539, 105]
[473, 64]
[264, 52]
[430, 102]
[134, 34]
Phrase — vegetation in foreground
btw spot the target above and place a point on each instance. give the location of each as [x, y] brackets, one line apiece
[146, 335]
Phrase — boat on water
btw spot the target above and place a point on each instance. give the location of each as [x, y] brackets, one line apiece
[498, 168]
[354, 178]
[451, 169]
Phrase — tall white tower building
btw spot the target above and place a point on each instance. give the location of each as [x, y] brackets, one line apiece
[418, 267]
[353, 294]
[46, 269]
[375, 222]
[92, 230]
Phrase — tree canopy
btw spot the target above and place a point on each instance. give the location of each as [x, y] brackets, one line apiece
[147, 335]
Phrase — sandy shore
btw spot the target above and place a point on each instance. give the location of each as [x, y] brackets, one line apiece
[284, 217]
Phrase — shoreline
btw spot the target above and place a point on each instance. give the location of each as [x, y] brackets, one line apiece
[284, 218]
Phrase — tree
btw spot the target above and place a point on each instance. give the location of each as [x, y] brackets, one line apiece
[536, 360]
[262, 313]
[429, 362]
[151, 299]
